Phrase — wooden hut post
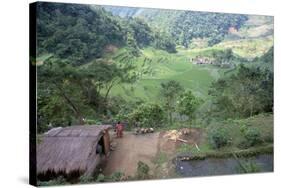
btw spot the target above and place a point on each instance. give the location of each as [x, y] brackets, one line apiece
[106, 141]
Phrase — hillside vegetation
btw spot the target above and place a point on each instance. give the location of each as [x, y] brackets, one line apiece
[94, 66]
[186, 25]
[91, 35]
[210, 74]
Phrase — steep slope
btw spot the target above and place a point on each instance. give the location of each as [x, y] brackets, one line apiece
[185, 25]
[75, 32]
[81, 33]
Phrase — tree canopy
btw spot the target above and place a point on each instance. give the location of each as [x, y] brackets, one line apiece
[170, 91]
[248, 92]
[80, 33]
[213, 26]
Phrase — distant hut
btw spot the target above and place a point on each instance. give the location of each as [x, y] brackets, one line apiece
[72, 151]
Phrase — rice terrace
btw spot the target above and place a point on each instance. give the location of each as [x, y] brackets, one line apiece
[129, 94]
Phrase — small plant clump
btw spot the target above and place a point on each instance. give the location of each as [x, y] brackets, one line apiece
[248, 167]
[218, 137]
[142, 170]
[58, 181]
[253, 136]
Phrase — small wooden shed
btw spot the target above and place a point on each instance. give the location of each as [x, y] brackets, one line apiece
[72, 151]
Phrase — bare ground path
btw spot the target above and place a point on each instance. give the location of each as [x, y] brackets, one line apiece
[131, 149]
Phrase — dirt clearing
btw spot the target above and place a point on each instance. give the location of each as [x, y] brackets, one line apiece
[131, 149]
[154, 149]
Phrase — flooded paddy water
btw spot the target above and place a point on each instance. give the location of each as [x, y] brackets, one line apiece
[223, 166]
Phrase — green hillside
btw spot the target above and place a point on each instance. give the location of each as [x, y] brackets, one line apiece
[102, 66]
[185, 25]
[247, 35]
[205, 78]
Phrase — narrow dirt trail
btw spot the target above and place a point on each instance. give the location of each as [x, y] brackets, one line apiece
[130, 150]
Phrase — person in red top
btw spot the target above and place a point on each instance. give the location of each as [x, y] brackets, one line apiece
[119, 130]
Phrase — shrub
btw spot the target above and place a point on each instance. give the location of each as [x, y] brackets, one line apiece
[243, 128]
[253, 136]
[116, 176]
[248, 167]
[147, 115]
[252, 167]
[218, 137]
[143, 170]
[100, 178]
[86, 179]
[58, 181]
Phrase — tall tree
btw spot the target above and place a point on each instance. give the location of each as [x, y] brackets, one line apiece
[169, 92]
[187, 104]
[56, 85]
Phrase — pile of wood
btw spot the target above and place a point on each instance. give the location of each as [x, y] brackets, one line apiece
[144, 130]
[173, 135]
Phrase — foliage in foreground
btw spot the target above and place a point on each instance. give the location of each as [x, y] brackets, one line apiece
[142, 171]
[117, 176]
[58, 181]
[245, 166]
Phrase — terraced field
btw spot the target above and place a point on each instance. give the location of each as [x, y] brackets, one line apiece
[155, 66]
[159, 66]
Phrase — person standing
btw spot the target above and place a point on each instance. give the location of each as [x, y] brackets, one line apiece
[119, 130]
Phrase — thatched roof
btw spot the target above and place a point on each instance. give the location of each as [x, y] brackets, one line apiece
[70, 149]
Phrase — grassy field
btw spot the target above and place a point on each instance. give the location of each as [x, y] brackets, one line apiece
[157, 66]
[161, 66]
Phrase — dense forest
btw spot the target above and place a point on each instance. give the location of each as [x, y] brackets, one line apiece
[61, 33]
[79, 40]
[213, 26]
[186, 25]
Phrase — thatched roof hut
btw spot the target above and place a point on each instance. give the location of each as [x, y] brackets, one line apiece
[71, 150]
